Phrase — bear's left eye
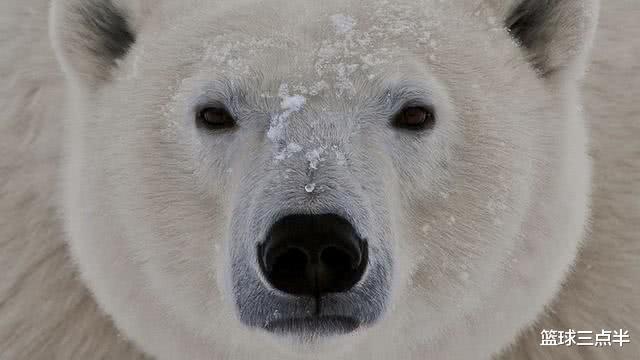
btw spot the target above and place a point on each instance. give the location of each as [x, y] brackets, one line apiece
[215, 118]
[415, 118]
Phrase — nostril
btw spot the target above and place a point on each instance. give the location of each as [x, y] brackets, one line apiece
[285, 267]
[339, 259]
[291, 260]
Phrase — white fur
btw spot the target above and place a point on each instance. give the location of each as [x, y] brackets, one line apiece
[487, 251]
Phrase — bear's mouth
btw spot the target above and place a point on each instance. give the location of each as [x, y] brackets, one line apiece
[314, 325]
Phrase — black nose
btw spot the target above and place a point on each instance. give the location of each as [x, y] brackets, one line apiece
[313, 255]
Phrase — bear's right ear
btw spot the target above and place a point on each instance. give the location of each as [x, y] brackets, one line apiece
[89, 36]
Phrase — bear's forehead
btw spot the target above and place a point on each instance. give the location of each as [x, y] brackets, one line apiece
[336, 46]
[332, 49]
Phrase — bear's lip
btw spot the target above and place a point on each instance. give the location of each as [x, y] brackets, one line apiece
[313, 325]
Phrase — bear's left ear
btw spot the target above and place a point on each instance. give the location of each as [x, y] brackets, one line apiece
[556, 34]
[89, 36]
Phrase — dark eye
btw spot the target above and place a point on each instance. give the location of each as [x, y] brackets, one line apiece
[415, 118]
[215, 118]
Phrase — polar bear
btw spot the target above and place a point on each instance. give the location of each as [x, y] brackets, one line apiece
[317, 180]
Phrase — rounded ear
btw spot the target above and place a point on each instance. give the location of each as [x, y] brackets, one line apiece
[556, 34]
[89, 36]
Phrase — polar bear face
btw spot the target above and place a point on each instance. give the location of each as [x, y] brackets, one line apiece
[260, 179]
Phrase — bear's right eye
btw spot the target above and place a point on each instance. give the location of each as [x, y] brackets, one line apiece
[215, 118]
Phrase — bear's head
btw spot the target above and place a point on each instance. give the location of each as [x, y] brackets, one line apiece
[342, 178]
